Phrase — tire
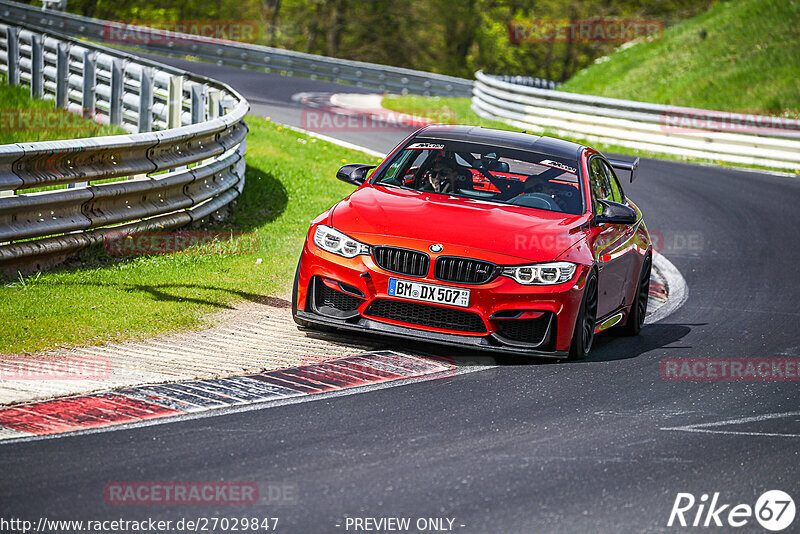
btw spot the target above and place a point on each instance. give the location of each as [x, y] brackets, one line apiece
[639, 305]
[302, 322]
[583, 336]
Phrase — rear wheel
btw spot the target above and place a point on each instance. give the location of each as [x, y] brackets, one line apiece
[639, 305]
[583, 336]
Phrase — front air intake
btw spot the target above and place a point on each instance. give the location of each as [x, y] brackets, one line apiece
[401, 261]
[464, 270]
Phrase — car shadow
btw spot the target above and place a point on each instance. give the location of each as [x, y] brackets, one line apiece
[607, 347]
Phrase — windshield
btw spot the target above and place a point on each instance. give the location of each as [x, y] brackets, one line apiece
[484, 172]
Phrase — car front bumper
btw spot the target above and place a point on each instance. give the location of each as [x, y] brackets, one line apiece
[361, 277]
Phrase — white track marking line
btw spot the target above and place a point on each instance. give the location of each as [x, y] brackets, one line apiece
[10, 433]
[335, 141]
[707, 427]
[677, 290]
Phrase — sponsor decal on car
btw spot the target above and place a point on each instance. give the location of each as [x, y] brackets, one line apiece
[557, 165]
[426, 146]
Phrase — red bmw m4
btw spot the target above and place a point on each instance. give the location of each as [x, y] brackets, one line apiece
[484, 239]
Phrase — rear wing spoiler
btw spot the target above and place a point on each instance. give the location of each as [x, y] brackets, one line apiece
[626, 166]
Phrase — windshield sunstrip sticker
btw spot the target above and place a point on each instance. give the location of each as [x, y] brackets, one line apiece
[426, 146]
[557, 165]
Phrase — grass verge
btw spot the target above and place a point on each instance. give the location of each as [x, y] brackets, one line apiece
[290, 179]
[740, 55]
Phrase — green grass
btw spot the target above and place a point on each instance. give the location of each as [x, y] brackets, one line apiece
[24, 120]
[290, 179]
[742, 55]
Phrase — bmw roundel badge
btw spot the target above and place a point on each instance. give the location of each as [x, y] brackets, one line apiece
[435, 248]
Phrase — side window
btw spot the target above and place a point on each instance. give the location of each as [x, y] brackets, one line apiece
[409, 159]
[616, 191]
[598, 181]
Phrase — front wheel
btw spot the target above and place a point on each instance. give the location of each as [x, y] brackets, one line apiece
[583, 336]
[639, 305]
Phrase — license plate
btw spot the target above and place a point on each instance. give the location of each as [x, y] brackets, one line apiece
[453, 296]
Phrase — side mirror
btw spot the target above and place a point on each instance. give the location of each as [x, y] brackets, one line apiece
[615, 213]
[354, 173]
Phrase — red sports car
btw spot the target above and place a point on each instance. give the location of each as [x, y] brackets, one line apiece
[480, 238]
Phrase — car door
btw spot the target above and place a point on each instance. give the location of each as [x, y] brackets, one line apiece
[631, 259]
[610, 243]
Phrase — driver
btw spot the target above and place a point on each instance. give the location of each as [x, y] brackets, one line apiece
[441, 178]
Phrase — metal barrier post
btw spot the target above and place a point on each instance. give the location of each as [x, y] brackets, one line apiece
[212, 107]
[115, 113]
[213, 104]
[62, 75]
[12, 48]
[198, 104]
[89, 84]
[146, 100]
[37, 67]
[175, 103]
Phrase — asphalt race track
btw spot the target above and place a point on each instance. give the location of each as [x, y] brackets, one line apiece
[537, 447]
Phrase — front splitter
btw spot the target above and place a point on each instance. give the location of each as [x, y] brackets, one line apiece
[384, 329]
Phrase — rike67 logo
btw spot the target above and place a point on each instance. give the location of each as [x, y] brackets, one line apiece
[774, 510]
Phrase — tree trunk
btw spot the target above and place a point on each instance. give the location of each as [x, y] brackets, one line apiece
[313, 27]
[335, 27]
[271, 11]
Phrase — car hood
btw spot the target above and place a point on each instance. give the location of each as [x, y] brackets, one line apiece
[384, 215]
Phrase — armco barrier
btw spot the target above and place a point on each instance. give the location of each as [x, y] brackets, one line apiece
[736, 138]
[182, 161]
[359, 73]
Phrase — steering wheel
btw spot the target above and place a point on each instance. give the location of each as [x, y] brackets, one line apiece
[536, 200]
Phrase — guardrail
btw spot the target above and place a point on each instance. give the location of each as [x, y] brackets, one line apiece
[687, 132]
[182, 161]
[359, 73]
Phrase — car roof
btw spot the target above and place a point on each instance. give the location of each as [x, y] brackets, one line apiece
[550, 146]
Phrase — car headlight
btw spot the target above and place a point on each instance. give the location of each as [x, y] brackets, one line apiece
[541, 274]
[334, 241]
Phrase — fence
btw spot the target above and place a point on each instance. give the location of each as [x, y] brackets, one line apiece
[182, 161]
[687, 132]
